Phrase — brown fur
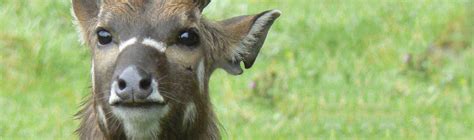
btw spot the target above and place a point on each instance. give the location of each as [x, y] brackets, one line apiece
[223, 45]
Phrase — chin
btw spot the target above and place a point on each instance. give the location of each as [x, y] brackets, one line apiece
[141, 122]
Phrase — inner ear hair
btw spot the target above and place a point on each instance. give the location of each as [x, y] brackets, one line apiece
[255, 38]
[85, 10]
[251, 31]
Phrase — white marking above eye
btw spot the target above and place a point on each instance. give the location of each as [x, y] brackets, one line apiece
[127, 43]
[160, 46]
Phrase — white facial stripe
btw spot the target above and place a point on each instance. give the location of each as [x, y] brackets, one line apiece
[160, 46]
[189, 115]
[113, 96]
[200, 75]
[155, 96]
[93, 76]
[127, 43]
[102, 116]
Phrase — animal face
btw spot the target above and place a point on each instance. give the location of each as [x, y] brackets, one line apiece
[152, 59]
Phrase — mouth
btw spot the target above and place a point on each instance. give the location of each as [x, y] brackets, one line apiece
[139, 105]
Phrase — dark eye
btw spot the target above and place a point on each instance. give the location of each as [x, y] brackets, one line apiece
[104, 36]
[188, 38]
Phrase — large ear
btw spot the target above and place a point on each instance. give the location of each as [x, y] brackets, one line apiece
[252, 31]
[85, 10]
[86, 13]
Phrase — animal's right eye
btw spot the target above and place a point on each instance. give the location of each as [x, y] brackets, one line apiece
[104, 36]
[188, 38]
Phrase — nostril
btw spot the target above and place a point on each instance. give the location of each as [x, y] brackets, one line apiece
[145, 84]
[122, 84]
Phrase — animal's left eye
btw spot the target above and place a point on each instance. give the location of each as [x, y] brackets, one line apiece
[104, 36]
[188, 38]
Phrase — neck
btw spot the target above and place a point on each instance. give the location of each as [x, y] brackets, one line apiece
[196, 120]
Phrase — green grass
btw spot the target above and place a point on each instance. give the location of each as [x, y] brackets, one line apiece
[330, 69]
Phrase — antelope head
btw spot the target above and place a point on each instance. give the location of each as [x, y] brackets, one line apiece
[152, 60]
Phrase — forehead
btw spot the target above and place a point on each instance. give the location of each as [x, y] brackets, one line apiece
[148, 12]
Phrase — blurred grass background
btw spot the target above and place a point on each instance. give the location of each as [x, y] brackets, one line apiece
[330, 69]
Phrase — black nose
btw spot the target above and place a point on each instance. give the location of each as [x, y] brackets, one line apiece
[133, 85]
